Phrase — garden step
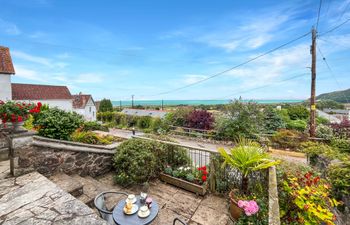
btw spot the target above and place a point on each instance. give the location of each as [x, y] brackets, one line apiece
[68, 184]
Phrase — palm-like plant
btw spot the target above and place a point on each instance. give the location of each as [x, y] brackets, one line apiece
[247, 156]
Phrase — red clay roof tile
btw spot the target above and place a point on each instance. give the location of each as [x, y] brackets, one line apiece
[6, 65]
[80, 101]
[39, 92]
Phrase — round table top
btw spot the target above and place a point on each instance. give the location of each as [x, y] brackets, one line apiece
[123, 219]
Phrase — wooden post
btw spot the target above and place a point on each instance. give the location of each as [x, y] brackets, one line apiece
[313, 86]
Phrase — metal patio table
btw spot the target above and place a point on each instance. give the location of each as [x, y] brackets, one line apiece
[121, 218]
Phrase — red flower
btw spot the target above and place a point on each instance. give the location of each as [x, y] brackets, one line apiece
[316, 180]
[39, 105]
[204, 168]
[2, 102]
[205, 172]
[308, 175]
[19, 118]
[204, 178]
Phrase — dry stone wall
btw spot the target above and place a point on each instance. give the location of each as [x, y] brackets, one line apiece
[49, 157]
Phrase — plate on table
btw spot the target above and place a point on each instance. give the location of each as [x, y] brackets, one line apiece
[133, 200]
[134, 209]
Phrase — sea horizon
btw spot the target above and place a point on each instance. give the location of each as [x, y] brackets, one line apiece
[199, 102]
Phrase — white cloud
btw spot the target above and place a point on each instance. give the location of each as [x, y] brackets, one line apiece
[28, 74]
[88, 78]
[9, 28]
[31, 58]
[192, 78]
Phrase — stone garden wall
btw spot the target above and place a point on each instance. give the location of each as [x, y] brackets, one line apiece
[48, 156]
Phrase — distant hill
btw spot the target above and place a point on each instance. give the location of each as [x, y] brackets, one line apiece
[338, 96]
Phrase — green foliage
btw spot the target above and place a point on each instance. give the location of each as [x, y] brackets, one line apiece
[105, 106]
[290, 139]
[310, 200]
[339, 175]
[247, 156]
[283, 113]
[299, 125]
[314, 149]
[323, 131]
[329, 104]
[138, 160]
[135, 162]
[179, 116]
[57, 124]
[28, 124]
[144, 122]
[93, 125]
[106, 116]
[321, 121]
[272, 120]
[89, 137]
[338, 96]
[298, 112]
[341, 144]
[240, 120]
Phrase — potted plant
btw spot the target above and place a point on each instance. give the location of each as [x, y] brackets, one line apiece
[188, 178]
[247, 156]
[16, 113]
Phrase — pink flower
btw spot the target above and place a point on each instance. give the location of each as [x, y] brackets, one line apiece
[250, 207]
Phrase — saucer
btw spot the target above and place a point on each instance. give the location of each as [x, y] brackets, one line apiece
[133, 200]
[133, 210]
[144, 214]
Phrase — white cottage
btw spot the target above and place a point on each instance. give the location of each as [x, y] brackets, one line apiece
[52, 95]
[85, 106]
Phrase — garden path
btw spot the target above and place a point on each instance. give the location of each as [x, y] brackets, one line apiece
[281, 154]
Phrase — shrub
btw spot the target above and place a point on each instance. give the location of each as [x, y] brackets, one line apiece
[105, 116]
[135, 162]
[105, 106]
[287, 139]
[131, 159]
[272, 120]
[299, 125]
[144, 122]
[298, 112]
[180, 115]
[200, 119]
[56, 123]
[314, 149]
[323, 131]
[89, 137]
[306, 200]
[240, 120]
[339, 175]
[342, 144]
[93, 125]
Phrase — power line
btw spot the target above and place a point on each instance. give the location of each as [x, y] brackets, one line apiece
[331, 72]
[234, 67]
[264, 86]
[318, 15]
[334, 28]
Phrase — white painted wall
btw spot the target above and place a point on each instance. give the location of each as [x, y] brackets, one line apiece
[64, 104]
[5, 87]
[89, 112]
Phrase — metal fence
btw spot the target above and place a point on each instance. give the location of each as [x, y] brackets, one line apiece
[221, 178]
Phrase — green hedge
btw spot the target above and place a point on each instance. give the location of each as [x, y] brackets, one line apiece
[136, 160]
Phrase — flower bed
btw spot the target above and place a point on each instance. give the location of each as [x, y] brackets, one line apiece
[190, 179]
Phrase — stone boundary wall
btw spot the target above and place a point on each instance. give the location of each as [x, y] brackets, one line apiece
[274, 209]
[49, 156]
[18, 140]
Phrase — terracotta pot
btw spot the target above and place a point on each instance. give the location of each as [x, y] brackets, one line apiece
[235, 211]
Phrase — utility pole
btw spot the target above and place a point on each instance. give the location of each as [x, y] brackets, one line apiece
[313, 85]
[120, 105]
[162, 105]
[132, 101]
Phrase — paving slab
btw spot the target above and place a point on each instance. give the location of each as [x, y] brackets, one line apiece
[68, 184]
[33, 199]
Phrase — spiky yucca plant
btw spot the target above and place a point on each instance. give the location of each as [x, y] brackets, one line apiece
[247, 156]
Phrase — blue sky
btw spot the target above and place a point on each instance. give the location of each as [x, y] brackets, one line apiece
[114, 49]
